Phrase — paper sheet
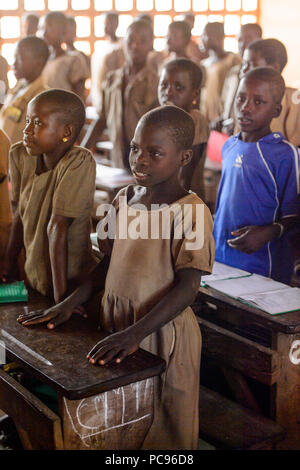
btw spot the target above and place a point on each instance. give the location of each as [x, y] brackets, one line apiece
[223, 271]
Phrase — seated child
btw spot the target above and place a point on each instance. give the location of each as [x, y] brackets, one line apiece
[30, 58]
[150, 281]
[128, 93]
[272, 53]
[258, 196]
[180, 84]
[64, 69]
[53, 185]
[5, 209]
[217, 65]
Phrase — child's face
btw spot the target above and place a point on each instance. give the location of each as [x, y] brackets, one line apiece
[175, 87]
[138, 45]
[255, 107]
[176, 41]
[252, 60]
[25, 63]
[43, 132]
[154, 157]
[49, 32]
[244, 37]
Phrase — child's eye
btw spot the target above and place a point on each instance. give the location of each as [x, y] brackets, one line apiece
[155, 153]
[163, 85]
[133, 148]
[37, 122]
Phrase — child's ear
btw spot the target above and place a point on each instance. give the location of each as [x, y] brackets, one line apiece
[196, 96]
[186, 157]
[69, 131]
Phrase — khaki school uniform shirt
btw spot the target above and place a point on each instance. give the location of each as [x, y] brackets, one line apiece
[3, 78]
[66, 70]
[5, 209]
[123, 111]
[66, 190]
[288, 123]
[211, 102]
[13, 113]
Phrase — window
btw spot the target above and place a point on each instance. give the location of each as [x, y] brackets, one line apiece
[89, 19]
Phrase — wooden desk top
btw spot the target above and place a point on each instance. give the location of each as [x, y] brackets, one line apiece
[288, 323]
[66, 348]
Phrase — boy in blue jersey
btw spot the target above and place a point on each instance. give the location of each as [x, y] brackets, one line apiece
[258, 196]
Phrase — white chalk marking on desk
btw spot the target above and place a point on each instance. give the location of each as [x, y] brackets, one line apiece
[294, 353]
[23, 346]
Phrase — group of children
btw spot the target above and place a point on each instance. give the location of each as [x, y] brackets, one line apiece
[159, 134]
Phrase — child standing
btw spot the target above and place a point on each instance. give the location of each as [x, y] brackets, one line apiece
[30, 58]
[52, 189]
[128, 93]
[180, 84]
[5, 209]
[150, 281]
[258, 196]
[272, 53]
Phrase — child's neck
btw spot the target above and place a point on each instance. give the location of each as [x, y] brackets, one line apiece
[218, 53]
[50, 160]
[133, 68]
[163, 194]
[56, 50]
[256, 135]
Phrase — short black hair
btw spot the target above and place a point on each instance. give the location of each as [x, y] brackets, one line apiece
[141, 25]
[113, 15]
[32, 18]
[187, 65]
[272, 50]
[144, 17]
[216, 28]
[182, 26]
[270, 76]
[255, 27]
[71, 20]
[37, 46]
[66, 104]
[57, 17]
[177, 122]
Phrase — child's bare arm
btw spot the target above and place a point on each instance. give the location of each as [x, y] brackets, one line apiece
[57, 231]
[117, 346]
[15, 244]
[93, 133]
[252, 238]
[61, 312]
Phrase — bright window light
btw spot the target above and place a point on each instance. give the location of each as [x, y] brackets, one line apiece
[99, 26]
[163, 5]
[182, 5]
[159, 44]
[8, 5]
[230, 44]
[80, 4]
[200, 5]
[124, 22]
[200, 22]
[215, 18]
[32, 5]
[103, 5]
[248, 19]
[123, 5]
[249, 5]
[161, 23]
[10, 27]
[144, 5]
[232, 24]
[57, 5]
[233, 5]
[216, 5]
[83, 26]
[83, 46]
[8, 52]
[12, 81]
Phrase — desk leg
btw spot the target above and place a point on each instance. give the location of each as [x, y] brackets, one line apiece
[118, 419]
[287, 395]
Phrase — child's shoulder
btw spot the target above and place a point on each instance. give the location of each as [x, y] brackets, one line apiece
[4, 139]
[18, 148]
[276, 147]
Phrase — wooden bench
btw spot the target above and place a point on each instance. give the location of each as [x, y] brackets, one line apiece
[229, 426]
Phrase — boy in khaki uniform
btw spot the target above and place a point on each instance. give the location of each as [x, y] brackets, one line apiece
[128, 93]
[30, 59]
[5, 209]
[53, 185]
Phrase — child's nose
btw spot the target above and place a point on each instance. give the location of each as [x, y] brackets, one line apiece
[28, 128]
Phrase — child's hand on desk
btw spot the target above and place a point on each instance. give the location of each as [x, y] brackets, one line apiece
[113, 348]
[55, 316]
[252, 238]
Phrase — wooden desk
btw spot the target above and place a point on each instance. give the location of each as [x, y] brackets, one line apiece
[246, 342]
[109, 407]
[112, 180]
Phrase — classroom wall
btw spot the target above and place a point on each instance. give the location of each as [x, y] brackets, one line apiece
[280, 19]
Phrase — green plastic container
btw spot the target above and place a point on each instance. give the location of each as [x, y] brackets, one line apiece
[15, 292]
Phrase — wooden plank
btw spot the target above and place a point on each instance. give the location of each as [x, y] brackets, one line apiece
[229, 349]
[227, 425]
[66, 348]
[41, 426]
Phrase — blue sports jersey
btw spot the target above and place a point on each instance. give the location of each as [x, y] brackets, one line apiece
[259, 185]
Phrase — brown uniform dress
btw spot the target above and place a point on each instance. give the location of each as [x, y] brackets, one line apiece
[123, 110]
[66, 190]
[13, 113]
[211, 102]
[288, 123]
[65, 70]
[5, 209]
[4, 67]
[140, 274]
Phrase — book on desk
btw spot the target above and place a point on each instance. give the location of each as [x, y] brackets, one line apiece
[253, 289]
